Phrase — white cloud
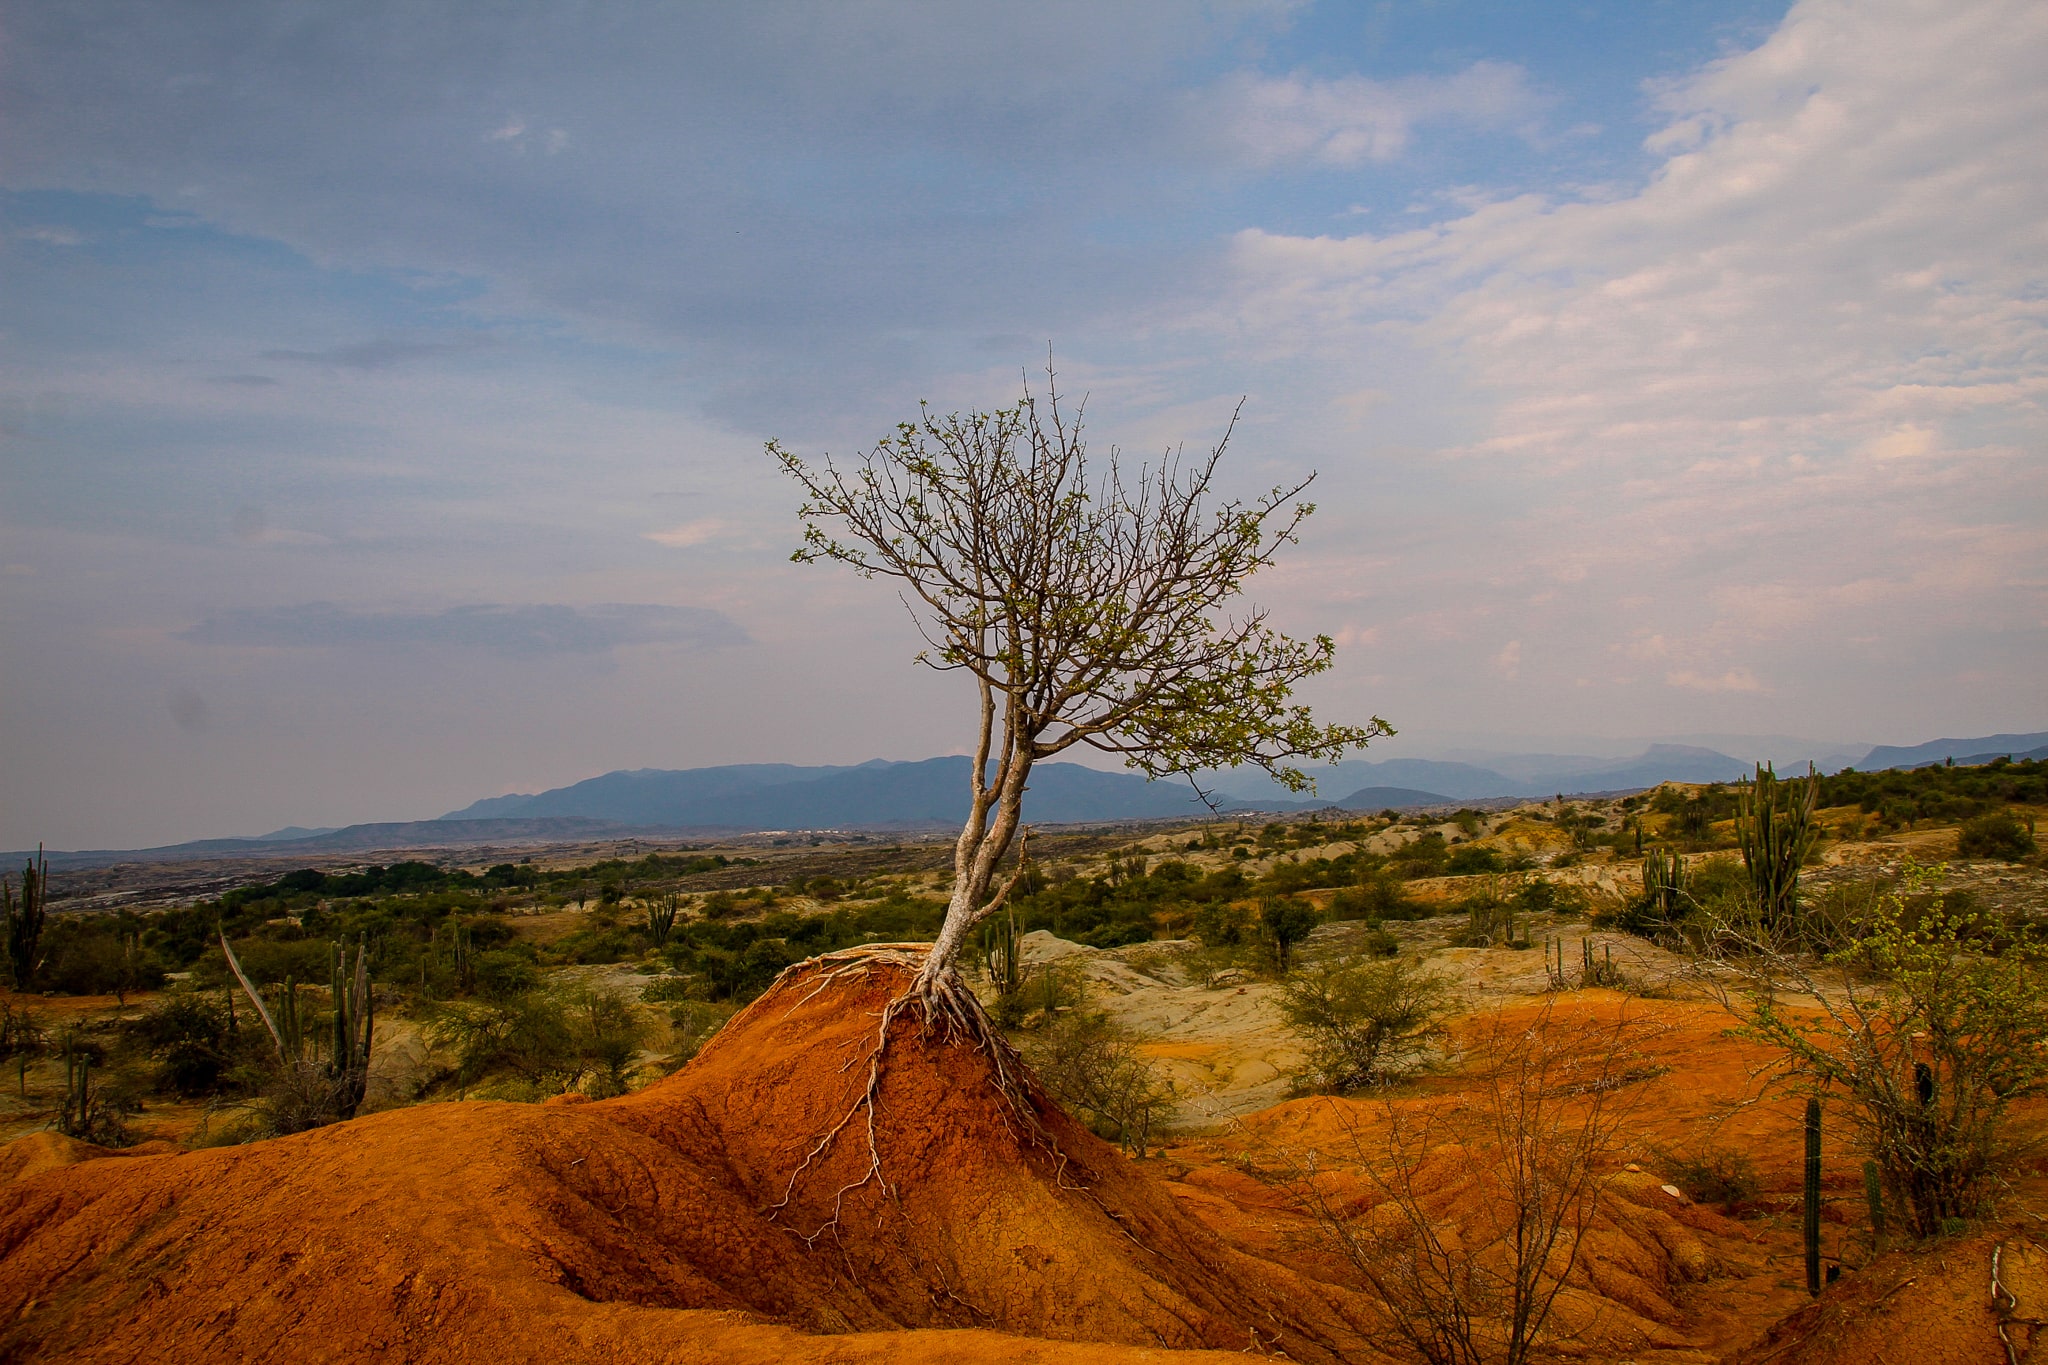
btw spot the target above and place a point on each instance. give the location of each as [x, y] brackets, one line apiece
[1789, 390]
[1509, 660]
[1352, 120]
[1734, 680]
[688, 534]
[1808, 270]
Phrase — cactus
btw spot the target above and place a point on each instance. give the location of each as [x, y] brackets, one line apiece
[1873, 1195]
[76, 1107]
[292, 1037]
[1810, 1225]
[354, 1022]
[1775, 840]
[999, 949]
[661, 916]
[1664, 884]
[24, 919]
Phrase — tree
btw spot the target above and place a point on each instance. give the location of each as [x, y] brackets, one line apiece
[1088, 604]
[1927, 1060]
[1287, 923]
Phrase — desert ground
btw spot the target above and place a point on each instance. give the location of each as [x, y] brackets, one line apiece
[791, 1193]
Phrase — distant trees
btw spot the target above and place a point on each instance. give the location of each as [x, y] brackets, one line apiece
[1088, 603]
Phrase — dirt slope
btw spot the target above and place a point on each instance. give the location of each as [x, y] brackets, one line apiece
[636, 1229]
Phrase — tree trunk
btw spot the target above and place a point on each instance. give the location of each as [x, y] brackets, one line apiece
[976, 858]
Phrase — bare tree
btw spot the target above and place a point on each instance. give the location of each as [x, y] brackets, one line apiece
[1088, 603]
[1481, 1208]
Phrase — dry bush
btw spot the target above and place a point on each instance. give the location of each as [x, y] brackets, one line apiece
[1091, 1065]
[1475, 1213]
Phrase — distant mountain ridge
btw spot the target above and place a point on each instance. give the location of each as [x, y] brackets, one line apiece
[880, 795]
[1965, 751]
[876, 794]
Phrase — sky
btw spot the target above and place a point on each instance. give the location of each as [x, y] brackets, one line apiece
[383, 386]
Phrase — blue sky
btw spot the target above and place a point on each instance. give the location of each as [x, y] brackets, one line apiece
[382, 387]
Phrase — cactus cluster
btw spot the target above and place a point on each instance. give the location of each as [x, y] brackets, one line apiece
[353, 1023]
[1776, 833]
[661, 916]
[999, 951]
[1665, 884]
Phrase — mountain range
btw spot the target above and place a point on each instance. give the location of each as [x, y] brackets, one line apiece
[932, 793]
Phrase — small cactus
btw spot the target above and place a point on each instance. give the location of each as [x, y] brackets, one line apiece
[999, 950]
[1810, 1226]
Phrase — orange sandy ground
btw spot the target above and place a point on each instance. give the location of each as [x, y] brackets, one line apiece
[647, 1228]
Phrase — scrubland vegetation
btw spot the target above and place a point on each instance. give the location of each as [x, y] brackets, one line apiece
[1813, 919]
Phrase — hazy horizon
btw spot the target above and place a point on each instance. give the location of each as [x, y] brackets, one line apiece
[382, 388]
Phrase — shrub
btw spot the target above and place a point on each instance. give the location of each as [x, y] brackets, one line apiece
[1470, 858]
[189, 1038]
[1711, 1174]
[1997, 835]
[1377, 897]
[1363, 1021]
[1091, 1065]
[1928, 1061]
[503, 973]
[691, 1025]
[1223, 926]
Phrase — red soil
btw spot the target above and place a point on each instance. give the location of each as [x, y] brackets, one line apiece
[641, 1228]
[645, 1228]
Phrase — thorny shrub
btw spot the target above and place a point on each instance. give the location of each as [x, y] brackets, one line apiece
[1927, 1055]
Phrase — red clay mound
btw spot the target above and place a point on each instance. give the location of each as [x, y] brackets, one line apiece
[991, 1216]
[640, 1229]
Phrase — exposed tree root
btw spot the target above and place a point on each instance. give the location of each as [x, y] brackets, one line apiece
[944, 1008]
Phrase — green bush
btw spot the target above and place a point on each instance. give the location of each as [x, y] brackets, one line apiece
[1224, 926]
[188, 1037]
[1091, 1065]
[1363, 1021]
[1467, 859]
[1997, 835]
[1378, 897]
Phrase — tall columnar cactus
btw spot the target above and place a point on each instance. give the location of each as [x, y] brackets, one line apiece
[24, 919]
[354, 1021]
[999, 949]
[1776, 831]
[1810, 1225]
[1664, 884]
[1873, 1195]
